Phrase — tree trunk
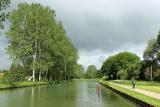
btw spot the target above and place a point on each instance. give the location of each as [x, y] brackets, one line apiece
[40, 75]
[33, 72]
[46, 75]
[33, 75]
[64, 70]
[151, 74]
[34, 56]
[55, 78]
[69, 76]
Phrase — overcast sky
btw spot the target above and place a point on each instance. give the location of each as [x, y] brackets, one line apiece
[99, 28]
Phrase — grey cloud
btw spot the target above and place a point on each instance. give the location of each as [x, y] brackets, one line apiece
[106, 25]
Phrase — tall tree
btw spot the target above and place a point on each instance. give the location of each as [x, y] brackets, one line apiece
[151, 59]
[39, 43]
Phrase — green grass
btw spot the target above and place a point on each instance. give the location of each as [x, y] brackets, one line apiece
[134, 94]
[144, 83]
[149, 86]
[20, 84]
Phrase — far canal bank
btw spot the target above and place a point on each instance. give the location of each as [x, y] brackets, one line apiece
[13, 85]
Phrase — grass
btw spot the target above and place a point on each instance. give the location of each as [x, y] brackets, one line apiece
[20, 84]
[144, 83]
[136, 95]
[149, 86]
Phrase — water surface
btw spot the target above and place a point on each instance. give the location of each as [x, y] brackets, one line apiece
[70, 94]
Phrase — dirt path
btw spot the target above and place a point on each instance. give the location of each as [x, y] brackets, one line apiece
[147, 93]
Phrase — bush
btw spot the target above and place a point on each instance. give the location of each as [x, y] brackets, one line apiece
[14, 76]
[104, 78]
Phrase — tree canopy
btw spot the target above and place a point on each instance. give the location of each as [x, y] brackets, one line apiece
[151, 59]
[38, 42]
[124, 65]
[91, 72]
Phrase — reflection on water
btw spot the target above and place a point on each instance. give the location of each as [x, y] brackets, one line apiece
[71, 94]
[89, 95]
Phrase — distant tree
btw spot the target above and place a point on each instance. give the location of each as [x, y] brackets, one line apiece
[91, 72]
[79, 71]
[124, 65]
[99, 74]
[108, 66]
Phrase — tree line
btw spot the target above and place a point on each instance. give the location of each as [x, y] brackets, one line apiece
[91, 73]
[127, 65]
[38, 45]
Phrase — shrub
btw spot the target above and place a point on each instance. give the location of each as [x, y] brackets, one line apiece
[14, 76]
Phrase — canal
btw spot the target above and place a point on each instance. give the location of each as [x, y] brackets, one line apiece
[70, 94]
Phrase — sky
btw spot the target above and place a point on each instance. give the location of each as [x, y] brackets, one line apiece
[100, 28]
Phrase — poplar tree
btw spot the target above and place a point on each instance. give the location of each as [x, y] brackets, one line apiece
[39, 43]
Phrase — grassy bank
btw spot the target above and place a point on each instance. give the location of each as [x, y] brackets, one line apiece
[136, 95]
[145, 85]
[20, 84]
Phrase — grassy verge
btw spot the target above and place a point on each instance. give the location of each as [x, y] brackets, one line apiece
[21, 84]
[149, 86]
[143, 83]
[136, 95]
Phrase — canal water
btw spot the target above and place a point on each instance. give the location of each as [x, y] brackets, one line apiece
[70, 94]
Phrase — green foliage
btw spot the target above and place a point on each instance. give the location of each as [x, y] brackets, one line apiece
[156, 75]
[14, 76]
[104, 78]
[79, 72]
[98, 74]
[20, 84]
[151, 60]
[39, 43]
[124, 65]
[123, 74]
[91, 72]
[148, 52]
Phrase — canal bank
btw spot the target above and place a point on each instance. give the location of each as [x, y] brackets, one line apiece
[12, 85]
[137, 98]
